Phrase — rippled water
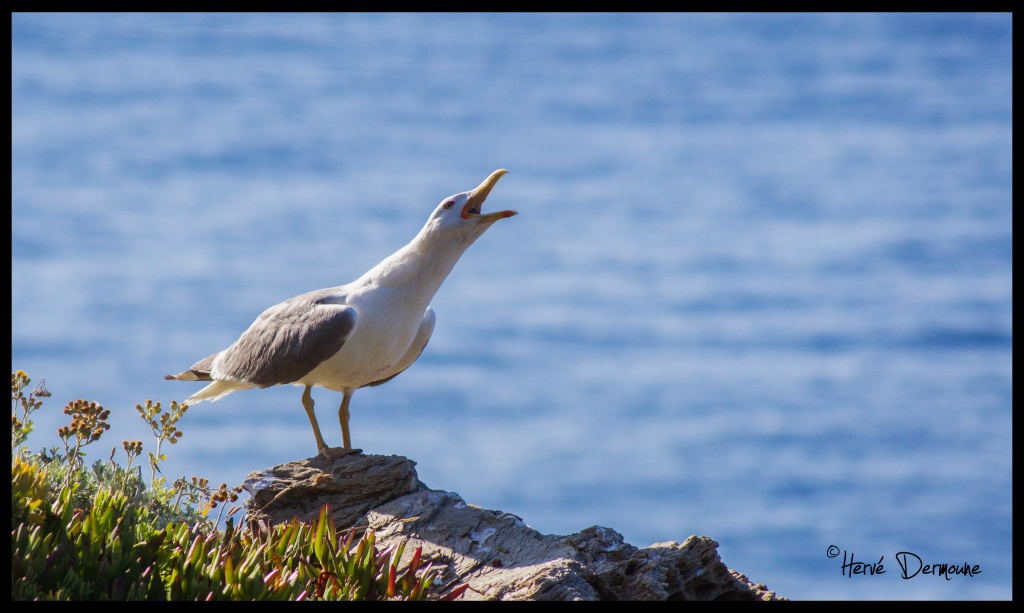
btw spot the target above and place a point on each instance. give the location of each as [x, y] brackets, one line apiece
[759, 287]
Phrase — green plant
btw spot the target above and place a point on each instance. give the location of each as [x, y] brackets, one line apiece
[21, 427]
[100, 533]
[88, 423]
[165, 427]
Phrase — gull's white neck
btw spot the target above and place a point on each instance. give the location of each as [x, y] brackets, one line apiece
[420, 267]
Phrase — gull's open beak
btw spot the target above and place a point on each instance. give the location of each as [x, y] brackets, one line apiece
[478, 195]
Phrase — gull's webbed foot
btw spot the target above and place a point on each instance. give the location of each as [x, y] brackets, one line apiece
[334, 453]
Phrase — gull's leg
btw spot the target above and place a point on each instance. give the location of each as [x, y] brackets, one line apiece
[331, 453]
[307, 403]
[343, 418]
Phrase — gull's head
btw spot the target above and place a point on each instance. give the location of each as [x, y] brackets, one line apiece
[461, 216]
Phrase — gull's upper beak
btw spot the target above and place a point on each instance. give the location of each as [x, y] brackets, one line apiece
[478, 195]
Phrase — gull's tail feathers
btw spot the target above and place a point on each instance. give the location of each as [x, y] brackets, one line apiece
[217, 390]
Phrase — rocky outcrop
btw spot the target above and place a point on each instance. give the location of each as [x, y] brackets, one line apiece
[495, 553]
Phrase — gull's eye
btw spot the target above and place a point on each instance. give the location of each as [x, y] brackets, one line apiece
[449, 204]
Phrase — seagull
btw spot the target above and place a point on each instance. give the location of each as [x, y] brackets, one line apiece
[357, 335]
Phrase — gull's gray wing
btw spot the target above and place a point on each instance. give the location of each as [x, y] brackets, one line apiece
[200, 371]
[289, 340]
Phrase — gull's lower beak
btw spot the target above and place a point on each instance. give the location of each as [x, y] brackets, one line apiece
[478, 195]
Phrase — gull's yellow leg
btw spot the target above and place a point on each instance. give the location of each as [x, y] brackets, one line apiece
[307, 403]
[343, 418]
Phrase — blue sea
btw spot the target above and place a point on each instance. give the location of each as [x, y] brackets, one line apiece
[759, 289]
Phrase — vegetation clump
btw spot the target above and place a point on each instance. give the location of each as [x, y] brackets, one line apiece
[101, 533]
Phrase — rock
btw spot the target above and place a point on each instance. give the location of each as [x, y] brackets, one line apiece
[495, 553]
[352, 485]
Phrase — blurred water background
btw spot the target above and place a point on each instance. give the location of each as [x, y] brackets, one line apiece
[759, 288]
